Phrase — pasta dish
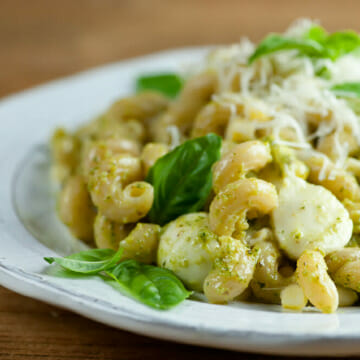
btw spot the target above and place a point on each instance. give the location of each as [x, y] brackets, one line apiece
[239, 178]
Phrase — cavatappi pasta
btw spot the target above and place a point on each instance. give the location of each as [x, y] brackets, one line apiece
[282, 220]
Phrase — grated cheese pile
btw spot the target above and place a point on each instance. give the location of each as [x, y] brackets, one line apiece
[284, 88]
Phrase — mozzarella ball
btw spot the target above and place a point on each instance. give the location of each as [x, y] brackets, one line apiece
[188, 248]
[309, 217]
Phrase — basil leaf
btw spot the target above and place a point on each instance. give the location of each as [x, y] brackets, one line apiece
[182, 179]
[89, 261]
[275, 42]
[351, 92]
[316, 33]
[341, 43]
[336, 44]
[316, 43]
[58, 271]
[168, 84]
[349, 89]
[151, 285]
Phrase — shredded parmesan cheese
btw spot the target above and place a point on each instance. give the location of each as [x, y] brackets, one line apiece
[175, 136]
[286, 90]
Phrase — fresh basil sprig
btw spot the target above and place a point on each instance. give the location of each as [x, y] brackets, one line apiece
[336, 44]
[89, 261]
[316, 33]
[182, 179]
[341, 43]
[347, 90]
[156, 287]
[316, 43]
[275, 42]
[168, 84]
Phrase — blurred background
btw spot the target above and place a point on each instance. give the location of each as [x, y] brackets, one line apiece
[43, 39]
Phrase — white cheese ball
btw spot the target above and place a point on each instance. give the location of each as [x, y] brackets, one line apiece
[310, 217]
[188, 248]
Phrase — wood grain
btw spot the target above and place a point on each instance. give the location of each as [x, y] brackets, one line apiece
[41, 40]
[30, 330]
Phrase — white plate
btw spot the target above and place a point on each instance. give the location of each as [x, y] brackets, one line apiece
[26, 122]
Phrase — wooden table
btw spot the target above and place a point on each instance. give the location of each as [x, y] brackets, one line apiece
[41, 40]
